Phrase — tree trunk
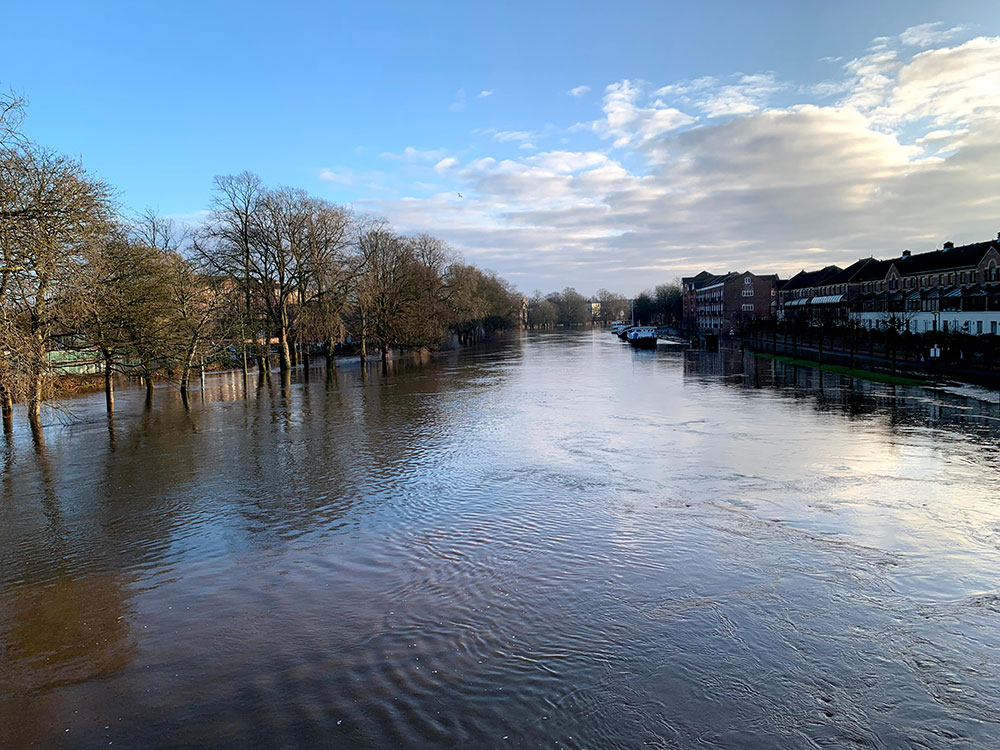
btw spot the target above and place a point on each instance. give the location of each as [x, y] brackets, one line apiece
[148, 381]
[364, 339]
[285, 358]
[331, 360]
[35, 383]
[109, 384]
[7, 407]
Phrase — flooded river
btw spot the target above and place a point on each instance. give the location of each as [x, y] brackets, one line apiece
[555, 542]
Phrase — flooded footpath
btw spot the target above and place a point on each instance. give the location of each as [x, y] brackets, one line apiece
[553, 542]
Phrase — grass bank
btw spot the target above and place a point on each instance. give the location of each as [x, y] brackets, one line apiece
[876, 377]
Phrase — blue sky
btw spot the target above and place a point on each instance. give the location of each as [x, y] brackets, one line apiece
[715, 135]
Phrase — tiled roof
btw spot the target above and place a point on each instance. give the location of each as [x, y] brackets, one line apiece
[699, 280]
[804, 279]
[966, 256]
[874, 270]
[870, 269]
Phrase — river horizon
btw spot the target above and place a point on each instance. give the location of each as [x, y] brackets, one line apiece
[551, 541]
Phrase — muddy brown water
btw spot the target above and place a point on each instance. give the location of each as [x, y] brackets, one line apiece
[552, 542]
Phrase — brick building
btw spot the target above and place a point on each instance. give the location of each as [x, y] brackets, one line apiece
[723, 304]
[689, 298]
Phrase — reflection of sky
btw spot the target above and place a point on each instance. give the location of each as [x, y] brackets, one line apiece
[916, 489]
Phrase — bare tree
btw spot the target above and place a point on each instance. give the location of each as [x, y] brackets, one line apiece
[329, 271]
[226, 243]
[50, 209]
[160, 232]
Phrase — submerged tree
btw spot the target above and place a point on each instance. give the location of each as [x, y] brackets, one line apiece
[147, 298]
[50, 212]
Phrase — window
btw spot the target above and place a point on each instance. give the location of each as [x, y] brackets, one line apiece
[747, 280]
[979, 327]
[748, 292]
[747, 308]
[993, 327]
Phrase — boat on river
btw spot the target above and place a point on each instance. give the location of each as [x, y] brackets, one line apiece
[618, 326]
[642, 337]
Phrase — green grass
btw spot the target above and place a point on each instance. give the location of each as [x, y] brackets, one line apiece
[875, 377]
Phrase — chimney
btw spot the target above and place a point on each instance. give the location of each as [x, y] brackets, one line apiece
[906, 253]
[948, 246]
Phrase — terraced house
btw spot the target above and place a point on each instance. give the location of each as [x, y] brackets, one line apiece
[949, 289]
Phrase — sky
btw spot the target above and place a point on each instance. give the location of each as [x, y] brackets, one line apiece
[585, 144]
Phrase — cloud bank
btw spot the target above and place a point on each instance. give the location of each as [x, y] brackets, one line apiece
[900, 150]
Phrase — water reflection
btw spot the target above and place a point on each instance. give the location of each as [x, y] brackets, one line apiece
[555, 541]
[856, 398]
[67, 630]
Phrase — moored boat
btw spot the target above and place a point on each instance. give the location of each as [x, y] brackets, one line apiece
[642, 337]
[624, 331]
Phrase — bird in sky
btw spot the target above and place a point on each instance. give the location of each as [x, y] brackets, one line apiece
[459, 195]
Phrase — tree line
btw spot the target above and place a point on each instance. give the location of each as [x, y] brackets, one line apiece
[659, 306]
[271, 275]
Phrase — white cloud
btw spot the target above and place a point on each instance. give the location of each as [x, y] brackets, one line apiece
[578, 91]
[411, 154]
[949, 85]
[338, 176]
[747, 94]
[927, 34]
[708, 173]
[485, 93]
[629, 123]
[445, 164]
[513, 135]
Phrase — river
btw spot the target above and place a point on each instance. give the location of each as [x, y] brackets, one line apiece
[551, 542]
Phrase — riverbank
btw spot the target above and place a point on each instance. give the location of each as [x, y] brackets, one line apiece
[905, 357]
[875, 377]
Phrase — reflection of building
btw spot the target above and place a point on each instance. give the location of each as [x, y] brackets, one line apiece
[722, 304]
[935, 408]
[953, 288]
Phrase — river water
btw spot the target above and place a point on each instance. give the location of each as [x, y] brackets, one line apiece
[553, 542]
